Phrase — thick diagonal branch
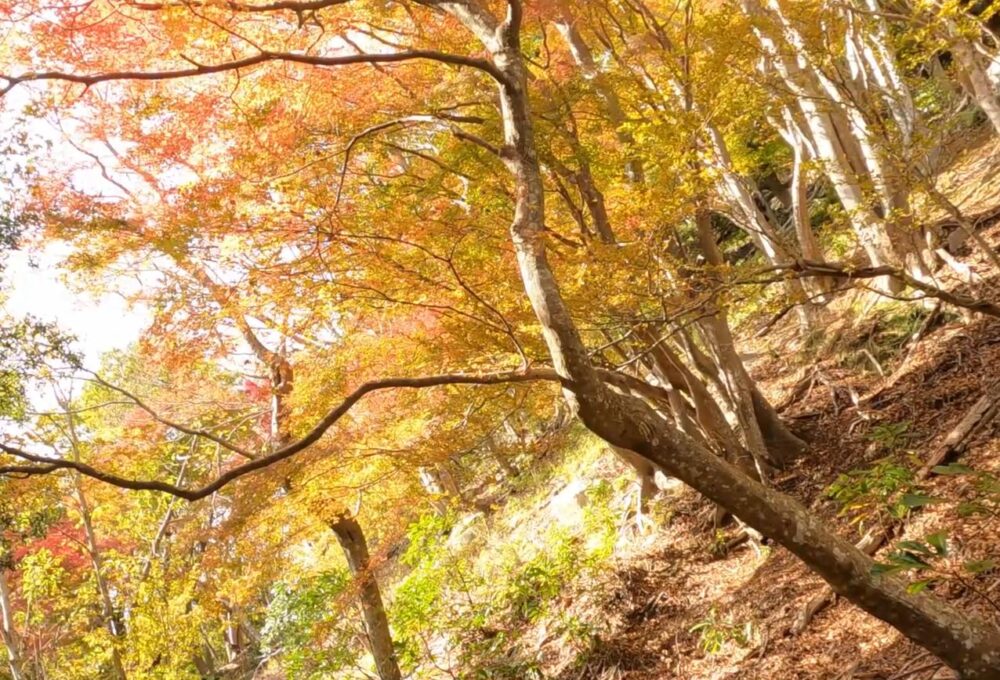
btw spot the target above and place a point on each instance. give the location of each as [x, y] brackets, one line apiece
[333, 415]
[262, 57]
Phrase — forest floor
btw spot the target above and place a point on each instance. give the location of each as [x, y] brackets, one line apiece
[671, 607]
[656, 597]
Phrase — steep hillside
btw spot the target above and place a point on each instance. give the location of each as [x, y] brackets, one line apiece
[571, 583]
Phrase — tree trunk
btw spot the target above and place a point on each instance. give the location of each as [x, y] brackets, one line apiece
[594, 200]
[808, 242]
[108, 615]
[237, 651]
[873, 40]
[762, 232]
[704, 365]
[979, 85]
[161, 531]
[707, 412]
[346, 529]
[592, 197]
[788, 127]
[348, 532]
[759, 227]
[831, 135]
[107, 606]
[965, 643]
[11, 640]
[584, 59]
[753, 410]
[674, 407]
[901, 235]
[352, 540]
[645, 474]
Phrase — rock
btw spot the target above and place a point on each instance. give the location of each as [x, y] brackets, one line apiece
[956, 239]
[464, 531]
[566, 507]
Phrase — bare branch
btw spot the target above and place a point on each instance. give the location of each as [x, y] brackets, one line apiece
[297, 6]
[396, 122]
[478, 141]
[806, 268]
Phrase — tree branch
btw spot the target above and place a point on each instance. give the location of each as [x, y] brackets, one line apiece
[169, 423]
[254, 60]
[478, 141]
[46, 464]
[22, 471]
[297, 6]
[806, 268]
[379, 127]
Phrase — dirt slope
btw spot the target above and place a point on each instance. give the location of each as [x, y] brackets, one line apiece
[673, 610]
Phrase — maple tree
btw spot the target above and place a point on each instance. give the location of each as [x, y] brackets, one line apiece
[319, 194]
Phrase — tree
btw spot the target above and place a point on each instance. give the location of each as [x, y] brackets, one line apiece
[624, 421]
[352, 540]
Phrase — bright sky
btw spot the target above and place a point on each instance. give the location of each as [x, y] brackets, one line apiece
[100, 323]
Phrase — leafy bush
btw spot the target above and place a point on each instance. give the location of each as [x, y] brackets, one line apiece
[928, 558]
[313, 635]
[474, 614]
[600, 523]
[421, 602]
[931, 558]
[890, 436]
[873, 493]
[885, 336]
[534, 583]
[714, 632]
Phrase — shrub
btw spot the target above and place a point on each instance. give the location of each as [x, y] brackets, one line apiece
[871, 494]
[714, 632]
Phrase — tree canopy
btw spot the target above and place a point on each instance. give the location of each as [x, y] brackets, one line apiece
[392, 249]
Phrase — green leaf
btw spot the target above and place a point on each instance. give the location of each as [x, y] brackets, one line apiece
[919, 586]
[915, 546]
[953, 469]
[979, 566]
[939, 541]
[917, 500]
[908, 560]
[970, 508]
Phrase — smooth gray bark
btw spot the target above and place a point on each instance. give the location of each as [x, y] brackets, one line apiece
[979, 85]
